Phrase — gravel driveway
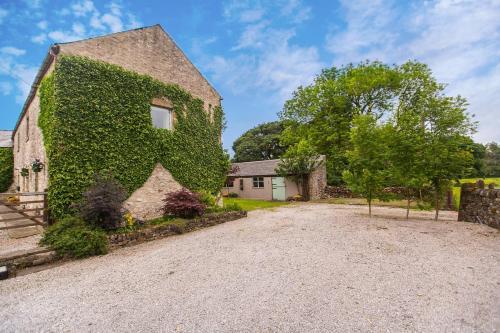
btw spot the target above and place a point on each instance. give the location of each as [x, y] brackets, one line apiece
[304, 268]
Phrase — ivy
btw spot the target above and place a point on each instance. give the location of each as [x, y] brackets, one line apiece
[6, 168]
[95, 117]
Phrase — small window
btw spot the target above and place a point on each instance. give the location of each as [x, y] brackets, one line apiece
[258, 182]
[229, 182]
[162, 117]
[27, 127]
[241, 184]
[18, 141]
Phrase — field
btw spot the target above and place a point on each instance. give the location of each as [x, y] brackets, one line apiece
[252, 204]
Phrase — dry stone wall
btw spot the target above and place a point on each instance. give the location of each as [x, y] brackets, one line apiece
[480, 205]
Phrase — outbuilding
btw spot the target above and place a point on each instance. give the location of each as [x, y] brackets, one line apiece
[259, 180]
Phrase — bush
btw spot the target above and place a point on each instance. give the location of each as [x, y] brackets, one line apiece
[183, 203]
[207, 198]
[232, 207]
[6, 168]
[232, 195]
[102, 203]
[72, 237]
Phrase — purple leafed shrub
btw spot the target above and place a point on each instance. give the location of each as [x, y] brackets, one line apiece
[183, 203]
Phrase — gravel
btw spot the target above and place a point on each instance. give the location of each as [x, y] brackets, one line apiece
[302, 268]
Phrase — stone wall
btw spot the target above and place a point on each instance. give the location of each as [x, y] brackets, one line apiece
[317, 180]
[149, 51]
[480, 205]
[147, 201]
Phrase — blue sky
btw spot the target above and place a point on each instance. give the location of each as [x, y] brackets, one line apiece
[257, 52]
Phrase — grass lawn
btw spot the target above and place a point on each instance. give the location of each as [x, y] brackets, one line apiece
[252, 204]
[375, 202]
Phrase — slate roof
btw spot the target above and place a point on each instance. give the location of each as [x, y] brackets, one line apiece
[256, 168]
[5, 139]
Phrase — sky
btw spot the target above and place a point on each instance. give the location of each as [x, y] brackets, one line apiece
[256, 53]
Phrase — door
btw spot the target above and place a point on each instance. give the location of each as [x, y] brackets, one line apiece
[279, 192]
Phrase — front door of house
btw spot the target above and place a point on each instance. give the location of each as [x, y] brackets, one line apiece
[279, 188]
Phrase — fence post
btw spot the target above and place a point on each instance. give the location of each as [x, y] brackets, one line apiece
[45, 208]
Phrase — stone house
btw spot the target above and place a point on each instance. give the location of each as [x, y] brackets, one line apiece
[149, 51]
[259, 180]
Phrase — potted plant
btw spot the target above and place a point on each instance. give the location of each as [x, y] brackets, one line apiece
[36, 165]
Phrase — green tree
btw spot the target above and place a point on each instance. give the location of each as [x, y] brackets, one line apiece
[322, 113]
[260, 143]
[368, 158]
[478, 152]
[298, 163]
[6, 168]
[492, 160]
[447, 129]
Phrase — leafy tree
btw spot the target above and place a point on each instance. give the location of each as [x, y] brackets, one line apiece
[298, 163]
[322, 113]
[260, 143]
[492, 160]
[478, 152]
[368, 158]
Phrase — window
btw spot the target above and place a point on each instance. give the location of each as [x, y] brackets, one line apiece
[241, 184]
[18, 141]
[27, 127]
[229, 182]
[258, 182]
[162, 117]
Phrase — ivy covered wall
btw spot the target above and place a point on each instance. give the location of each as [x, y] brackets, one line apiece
[6, 168]
[95, 117]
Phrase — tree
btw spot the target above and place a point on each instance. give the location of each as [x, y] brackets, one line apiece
[298, 163]
[322, 113]
[447, 129]
[492, 160]
[260, 143]
[368, 158]
[478, 152]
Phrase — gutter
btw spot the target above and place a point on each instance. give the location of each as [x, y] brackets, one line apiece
[51, 55]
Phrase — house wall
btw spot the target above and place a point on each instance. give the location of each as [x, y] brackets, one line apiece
[28, 147]
[147, 51]
[265, 193]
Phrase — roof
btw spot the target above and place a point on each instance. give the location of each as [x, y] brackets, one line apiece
[54, 50]
[5, 139]
[255, 168]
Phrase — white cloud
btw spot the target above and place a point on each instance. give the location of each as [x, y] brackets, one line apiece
[22, 74]
[78, 29]
[459, 40]
[42, 25]
[83, 8]
[5, 88]
[251, 15]
[252, 36]
[114, 22]
[296, 11]
[39, 39]
[13, 51]
[60, 36]
[3, 14]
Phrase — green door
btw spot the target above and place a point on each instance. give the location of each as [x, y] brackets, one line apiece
[279, 188]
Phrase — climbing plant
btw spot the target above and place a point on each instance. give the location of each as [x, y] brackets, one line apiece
[6, 168]
[95, 117]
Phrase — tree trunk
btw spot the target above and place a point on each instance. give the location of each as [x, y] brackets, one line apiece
[305, 187]
[437, 205]
[369, 207]
[408, 208]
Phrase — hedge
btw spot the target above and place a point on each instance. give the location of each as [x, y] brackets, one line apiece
[95, 118]
[6, 168]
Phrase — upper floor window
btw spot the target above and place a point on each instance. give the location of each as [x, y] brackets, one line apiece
[162, 117]
[258, 182]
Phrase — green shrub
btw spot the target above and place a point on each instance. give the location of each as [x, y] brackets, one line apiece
[6, 168]
[96, 117]
[102, 203]
[232, 195]
[232, 207]
[207, 198]
[72, 237]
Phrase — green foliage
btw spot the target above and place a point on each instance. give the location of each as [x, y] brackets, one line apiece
[207, 198]
[492, 160]
[6, 168]
[71, 237]
[95, 117]
[368, 167]
[252, 204]
[260, 143]
[322, 113]
[297, 163]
